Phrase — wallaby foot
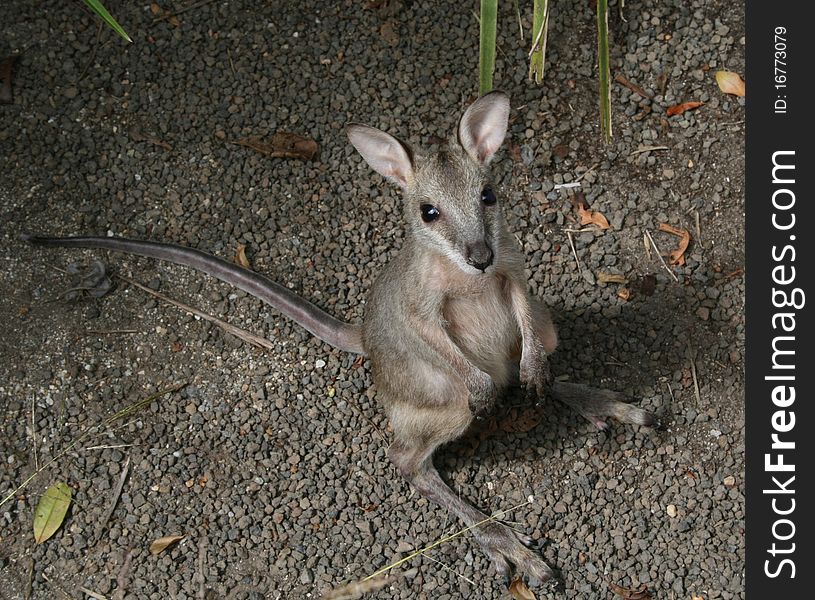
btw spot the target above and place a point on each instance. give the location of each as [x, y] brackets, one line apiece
[508, 550]
[510, 553]
[595, 403]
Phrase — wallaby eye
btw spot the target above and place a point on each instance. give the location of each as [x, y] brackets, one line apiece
[429, 213]
[488, 196]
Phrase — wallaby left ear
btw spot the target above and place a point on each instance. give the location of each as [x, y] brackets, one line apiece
[483, 126]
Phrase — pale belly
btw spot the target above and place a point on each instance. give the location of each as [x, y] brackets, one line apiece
[483, 327]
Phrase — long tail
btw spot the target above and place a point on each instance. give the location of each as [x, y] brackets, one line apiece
[339, 334]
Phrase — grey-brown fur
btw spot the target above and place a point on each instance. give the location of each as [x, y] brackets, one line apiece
[448, 324]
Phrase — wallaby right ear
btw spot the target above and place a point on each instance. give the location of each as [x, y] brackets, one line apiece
[388, 156]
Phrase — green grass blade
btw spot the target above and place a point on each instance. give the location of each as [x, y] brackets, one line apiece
[486, 56]
[540, 29]
[605, 68]
[97, 7]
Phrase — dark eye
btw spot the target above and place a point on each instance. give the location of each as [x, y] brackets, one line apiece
[429, 213]
[488, 196]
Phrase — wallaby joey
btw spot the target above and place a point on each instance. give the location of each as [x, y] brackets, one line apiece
[449, 322]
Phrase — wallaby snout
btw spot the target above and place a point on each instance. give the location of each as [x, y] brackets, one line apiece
[479, 255]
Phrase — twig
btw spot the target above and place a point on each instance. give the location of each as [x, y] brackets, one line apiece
[586, 172]
[692, 357]
[93, 54]
[109, 447]
[174, 13]
[202, 561]
[57, 585]
[648, 149]
[647, 245]
[117, 492]
[246, 336]
[574, 252]
[450, 569]
[659, 256]
[121, 576]
[92, 594]
[520, 24]
[29, 583]
[671, 392]
[34, 435]
[108, 332]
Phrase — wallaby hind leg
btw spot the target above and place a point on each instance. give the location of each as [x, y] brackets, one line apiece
[507, 549]
[595, 403]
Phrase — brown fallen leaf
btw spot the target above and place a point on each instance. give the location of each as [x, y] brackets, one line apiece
[641, 593]
[390, 32]
[519, 590]
[515, 151]
[678, 109]
[677, 257]
[619, 78]
[520, 421]
[561, 150]
[137, 135]
[588, 216]
[592, 217]
[624, 294]
[282, 145]
[155, 8]
[6, 67]
[604, 277]
[240, 257]
[163, 543]
[730, 83]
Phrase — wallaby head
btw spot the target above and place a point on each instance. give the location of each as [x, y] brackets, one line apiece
[449, 203]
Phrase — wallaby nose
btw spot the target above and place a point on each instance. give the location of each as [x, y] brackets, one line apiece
[479, 255]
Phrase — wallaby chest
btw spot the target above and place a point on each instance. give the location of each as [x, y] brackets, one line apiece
[480, 320]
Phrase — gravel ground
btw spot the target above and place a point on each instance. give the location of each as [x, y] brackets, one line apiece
[272, 463]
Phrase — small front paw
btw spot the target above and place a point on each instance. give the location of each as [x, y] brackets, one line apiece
[536, 376]
[483, 394]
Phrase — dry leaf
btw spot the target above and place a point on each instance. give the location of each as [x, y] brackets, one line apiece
[390, 32]
[282, 145]
[357, 589]
[730, 83]
[604, 277]
[624, 294]
[678, 109]
[520, 421]
[561, 150]
[155, 8]
[515, 151]
[619, 78]
[677, 257]
[592, 217]
[519, 590]
[162, 543]
[6, 68]
[240, 257]
[641, 593]
[51, 511]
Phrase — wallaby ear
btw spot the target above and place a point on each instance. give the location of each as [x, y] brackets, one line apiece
[387, 155]
[483, 126]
